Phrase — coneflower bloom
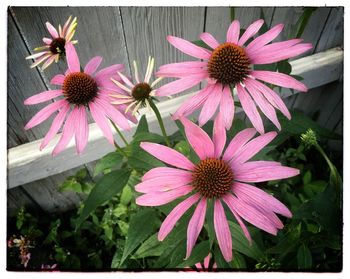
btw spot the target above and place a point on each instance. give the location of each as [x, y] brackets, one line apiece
[54, 47]
[136, 95]
[229, 65]
[81, 90]
[219, 176]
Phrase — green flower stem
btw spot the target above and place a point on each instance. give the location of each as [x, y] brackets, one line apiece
[161, 124]
[120, 134]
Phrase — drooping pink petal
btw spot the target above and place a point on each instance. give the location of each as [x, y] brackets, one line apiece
[175, 215]
[108, 72]
[279, 79]
[163, 184]
[72, 58]
[187, 65]
[260, 197]
[219, 135]
[227, 108]
[264, 105]
[198, 139]
[268, 57]
[47, 41]
[209, 40]
[250, 214]
[167, 155]
[126, 80]
[252, 148]
[264, 38]
[181, 84]
[270, 48]
[264, 173]
[101, 120]
[49, 61]
[160, 198]
[114, 114]
[193, 103]
[233, 32]
[195, 225]
[43, 97]
[250, 109]
[52, 30]
[92, 65]
[56, 125]
[210, 105]
[238, 142]
[222, 231]
[164, 172]
[189, 48]
[270, 95]
[67, 133]
[181, 72]
[250, 31]
[45, 113]
[82, 130]
[57, 79]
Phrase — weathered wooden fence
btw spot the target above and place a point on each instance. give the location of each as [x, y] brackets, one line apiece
[124, 34]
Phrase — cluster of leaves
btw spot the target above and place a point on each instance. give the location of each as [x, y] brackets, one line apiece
[109, 231]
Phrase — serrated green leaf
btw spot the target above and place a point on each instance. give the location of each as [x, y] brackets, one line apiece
[142, 225]
[304, 257]
[105, 189]
[111, 160]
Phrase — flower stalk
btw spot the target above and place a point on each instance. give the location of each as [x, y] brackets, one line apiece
[160, 121]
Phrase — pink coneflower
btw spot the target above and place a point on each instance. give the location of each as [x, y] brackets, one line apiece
[229, 65]
[80, 91]
[54, 47]
[219, 177]
[136, 95]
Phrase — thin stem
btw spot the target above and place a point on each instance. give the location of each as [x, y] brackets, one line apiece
[160, 120]
[118, 148]
[120, 134]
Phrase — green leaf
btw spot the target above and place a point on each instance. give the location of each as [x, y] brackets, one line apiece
[142, 225]
[307, 177]
[200, 251]
[111, 160]
[126, 195]
[284, 67]
[303, 21]
[105, 189]
[118, 254]
[149, 137]
[304, 257]
[141, 160]
[232, 14]
[70, 184]
[241, 244]
[150, 248]
[219, 259]
[238, 261]
[81, 174]
[142, 127]
[264, 27]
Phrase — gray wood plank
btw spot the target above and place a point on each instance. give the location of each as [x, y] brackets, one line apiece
[17, 198]
[333, 33]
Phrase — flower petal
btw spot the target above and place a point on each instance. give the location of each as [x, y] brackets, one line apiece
[92, 65]
[175, 215]
[233, 32]
[126, 80]
[82, 130]
[163, 184]
[210, 105]
[222, 231]
[56, 125]
[270, 48]
[250, 109]
[72, 58]
[227, 107]
[250, 31]
[209, 40]
[100, 118]
[164, 172]
[189, 48]
[43, 97]
[279, 79]
[238, 142]
[219, 135]
[57, 79]
[108, 72]
[167, 155]
[44, 113]
[198, 139]
[195, 225]
[160, 198]
[52, 30]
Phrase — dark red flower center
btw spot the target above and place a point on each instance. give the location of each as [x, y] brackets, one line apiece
[212, 178]
[228, 64]
[141, 91]
[57, 45]
[79, 88]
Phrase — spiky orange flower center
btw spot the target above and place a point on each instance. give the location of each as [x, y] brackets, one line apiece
[212, 178]
[57, 45]
[141, 91]
[79, 88]
[228, 64]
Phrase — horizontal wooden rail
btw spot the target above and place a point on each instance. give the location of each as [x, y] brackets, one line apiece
[26, 163]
